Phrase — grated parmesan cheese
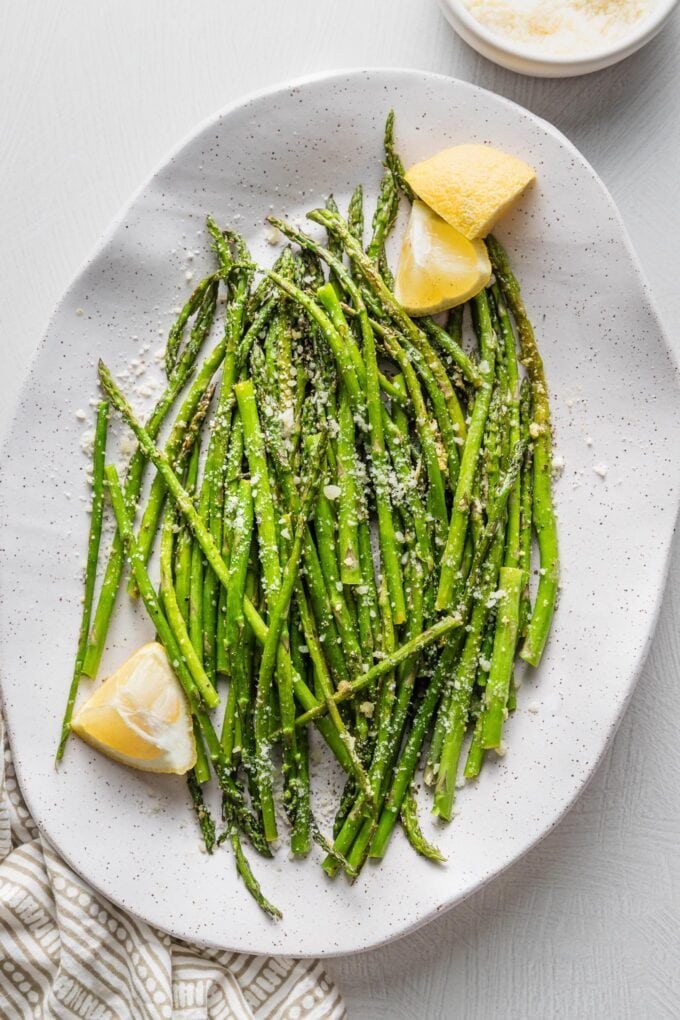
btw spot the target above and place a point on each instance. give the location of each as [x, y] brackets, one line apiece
[561, 27]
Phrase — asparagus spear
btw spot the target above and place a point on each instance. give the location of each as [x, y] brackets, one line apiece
[505, 643]
[96, 517]
[393, 160]
[457, 711]
[452, 347]
[414, 834]
[246, 872]
[385, 215]
[348, 521]
[541, 432]
[205, 819]
[184, 541]
[355, 213]
[325, 527]
[174, 614]
[242, 538]
[526, 501]
[449, 578]
[378, 461]
[213, 477]
[176, 333]
[261, 486]
[513, 551]
[278, 611]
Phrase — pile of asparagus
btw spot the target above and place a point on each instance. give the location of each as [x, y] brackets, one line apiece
[345, 530]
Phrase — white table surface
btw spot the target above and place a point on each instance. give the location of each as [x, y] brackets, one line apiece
[93, 93]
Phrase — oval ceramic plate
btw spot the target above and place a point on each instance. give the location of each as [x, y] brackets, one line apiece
[615, 399]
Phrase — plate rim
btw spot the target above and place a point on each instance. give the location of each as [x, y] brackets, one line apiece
[636, 666]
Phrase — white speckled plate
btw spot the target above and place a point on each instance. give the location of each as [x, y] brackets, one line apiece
[615, 398]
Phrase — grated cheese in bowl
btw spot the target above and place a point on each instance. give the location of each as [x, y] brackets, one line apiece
[561, 27]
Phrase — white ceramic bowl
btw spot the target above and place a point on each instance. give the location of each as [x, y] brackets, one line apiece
[527, 60]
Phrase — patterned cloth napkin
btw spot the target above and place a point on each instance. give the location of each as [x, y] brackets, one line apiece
[65, 952]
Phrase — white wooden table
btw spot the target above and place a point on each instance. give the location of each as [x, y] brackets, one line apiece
[92, 96]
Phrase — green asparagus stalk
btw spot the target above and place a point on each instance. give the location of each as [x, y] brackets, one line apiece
[458, 706]
[436, 494]
[452, 347]
[185, 541]
[205, 820]
[230, 726]
[242, 537]
[526, 501]
[386, 530]
[301, 831]
[513, 551]
[176, 333]
[397, 445]
[232, 474]
[201, 770]
[449, 578]
[267, 532]
[246, 873]
[267, 529]
[393, 160]
[324, 527]
[93, 542]
[174, 615]
[541, 432]
[414, 834]
[505, 643]
[278, 611]
[355, 213]
[357, 831]
[476, 752]
[348, 523]
[385, 215]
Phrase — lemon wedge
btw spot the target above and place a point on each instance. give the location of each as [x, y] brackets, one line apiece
[470, 186]
[140, 715]
[438, 267]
